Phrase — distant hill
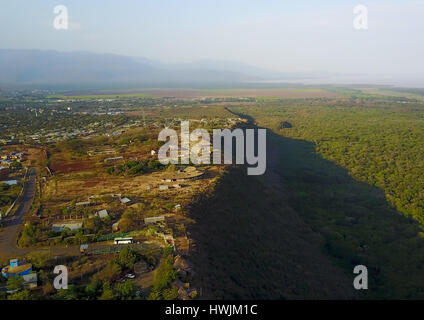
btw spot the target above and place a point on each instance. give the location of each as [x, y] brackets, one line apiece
[253, 72]
[36, 67]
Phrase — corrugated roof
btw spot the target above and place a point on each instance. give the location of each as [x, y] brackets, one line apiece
[103, 213]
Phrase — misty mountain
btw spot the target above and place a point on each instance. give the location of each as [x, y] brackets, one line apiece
[234, 66]
[215, 65]
[35, 67]
[83, 69]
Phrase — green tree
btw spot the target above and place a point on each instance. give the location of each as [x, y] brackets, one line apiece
[15, 283]
[126, 290]
[79, 236]
[107, 293]
[39, 258]
[164, 276]
[109, 273]
[127, 258]
[23, 295]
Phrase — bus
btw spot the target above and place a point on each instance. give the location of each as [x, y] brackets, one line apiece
[128, 240]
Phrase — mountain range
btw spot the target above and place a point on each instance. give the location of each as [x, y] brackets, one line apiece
[53, 68]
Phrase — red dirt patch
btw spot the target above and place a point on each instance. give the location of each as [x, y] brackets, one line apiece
[92, 183]
[67, 167]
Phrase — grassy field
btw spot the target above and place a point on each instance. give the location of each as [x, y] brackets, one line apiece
[290, 93]
[97, 96]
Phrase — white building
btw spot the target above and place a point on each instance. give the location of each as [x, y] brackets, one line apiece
[103, 214]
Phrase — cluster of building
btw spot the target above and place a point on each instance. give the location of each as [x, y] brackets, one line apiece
[8, 159]
[24, 270]
[102, 214]
[85, 131]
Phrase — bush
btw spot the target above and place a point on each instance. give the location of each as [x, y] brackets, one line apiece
[15, 283]
[107, 293]
[127, 258]
[23, 295]
[39, 259]
[164, 276]
[126, 290]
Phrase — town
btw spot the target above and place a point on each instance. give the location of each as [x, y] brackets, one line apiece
[96, 198]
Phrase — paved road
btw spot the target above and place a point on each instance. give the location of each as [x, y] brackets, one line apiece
[13, 225]
[10, 232]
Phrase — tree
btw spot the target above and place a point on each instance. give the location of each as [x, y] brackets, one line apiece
[126, 223]
[107, 293]
[91, 291]
[15, 283]
[127, 258]
[126, 290]
[79, 237]
[72, 293]
[93, 225]
[23, 295]
[109, 273]
[170, 293]
[39, 258]
[164, 276]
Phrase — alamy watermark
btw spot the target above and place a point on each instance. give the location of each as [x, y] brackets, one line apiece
[61, 281]
[60, 21]
[361, 280]
[200, 152]
[360, 21]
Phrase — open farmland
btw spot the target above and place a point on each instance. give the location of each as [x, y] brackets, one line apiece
[292, 93]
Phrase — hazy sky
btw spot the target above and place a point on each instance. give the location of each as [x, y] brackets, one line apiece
[284, 35]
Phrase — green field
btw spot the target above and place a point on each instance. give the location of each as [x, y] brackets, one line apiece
[98, 96]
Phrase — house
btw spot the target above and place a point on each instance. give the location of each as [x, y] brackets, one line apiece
[163, 187]
[30, 281]
[153, 220]
[10, 182]
[111, 160]
[125, 200]
[102, 214]
[67, 225]
[153, 152]
[6, 162]
[16, 269]
[83, 204]
[84, 248]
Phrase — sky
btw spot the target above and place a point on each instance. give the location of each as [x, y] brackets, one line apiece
[284, 35]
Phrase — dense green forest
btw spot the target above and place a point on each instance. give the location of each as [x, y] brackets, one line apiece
[381, 145]
[353, 175]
